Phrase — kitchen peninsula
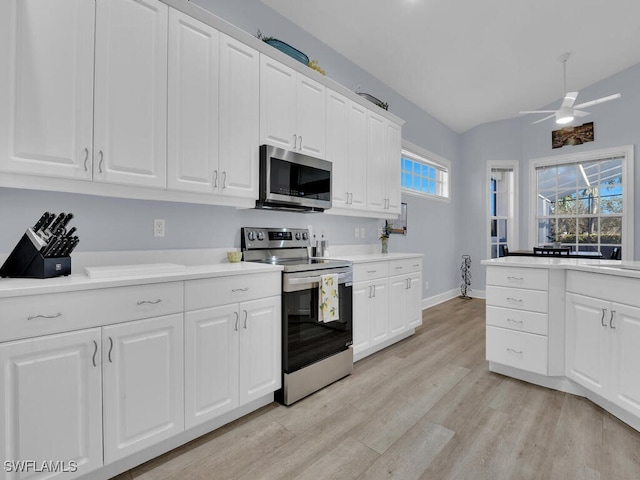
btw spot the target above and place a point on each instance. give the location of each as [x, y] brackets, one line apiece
[568, 324]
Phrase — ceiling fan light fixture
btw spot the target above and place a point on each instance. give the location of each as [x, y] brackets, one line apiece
[564, 116]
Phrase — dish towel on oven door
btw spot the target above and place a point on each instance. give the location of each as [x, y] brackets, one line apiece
[328, 301]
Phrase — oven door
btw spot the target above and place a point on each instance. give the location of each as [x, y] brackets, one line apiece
[306, 339]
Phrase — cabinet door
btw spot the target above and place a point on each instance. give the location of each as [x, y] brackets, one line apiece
[586, 359]
[625, 357]
[311, 116]
[380, 311]
[277, 104]
[337, 146]
[414, 305]
[143, 372]
[239, 118]
[392, 165]
[192, 143]
[398, 304]
[46, 87]
[130, 135]
[361, 292]
[376, 158]
[357, 172]
[211, 363]
[51, 401]
[260, 348]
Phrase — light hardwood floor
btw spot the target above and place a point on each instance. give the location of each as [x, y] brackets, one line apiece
[425, 408]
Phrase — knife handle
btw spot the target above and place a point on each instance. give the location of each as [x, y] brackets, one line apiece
[41, 222]
[46, 251]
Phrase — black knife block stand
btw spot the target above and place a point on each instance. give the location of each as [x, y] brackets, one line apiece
[26, 261]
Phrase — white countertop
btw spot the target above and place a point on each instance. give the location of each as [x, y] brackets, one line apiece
[607, 267]
[15, 287]
[376, 257]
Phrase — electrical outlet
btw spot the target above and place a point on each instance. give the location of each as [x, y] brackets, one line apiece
[158, 227]
[426, 285]
[357, 232]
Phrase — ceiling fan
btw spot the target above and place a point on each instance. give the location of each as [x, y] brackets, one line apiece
[568, 111]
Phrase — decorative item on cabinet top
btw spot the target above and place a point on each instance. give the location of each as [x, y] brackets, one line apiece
[371, 98]
[284, 48]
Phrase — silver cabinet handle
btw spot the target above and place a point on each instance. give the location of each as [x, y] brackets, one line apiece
[295, 141]
[237, 317]
[347, 198]
[604, 312]
[398, 268]
[215, 179]
[86, 158]
[351, 202]
[95, 352]
[416, 265]
[300, 143]
[100, 162]
[371, 271]
[246, 316]
[374, 291]
[224, 180]
[408, 283]
[517, 322]
[110, 349]
[517, 352]
[517, 279]
[370, 291]
[45, 316]
[611, 320]
[515, 300]
[150, 302]
[240, 289]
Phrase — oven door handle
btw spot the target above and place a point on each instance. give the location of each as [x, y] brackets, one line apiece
[317, 279]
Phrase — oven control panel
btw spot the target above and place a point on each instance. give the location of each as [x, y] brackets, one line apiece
[262, 238]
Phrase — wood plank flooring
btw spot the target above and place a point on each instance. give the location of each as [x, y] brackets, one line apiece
[425, 408]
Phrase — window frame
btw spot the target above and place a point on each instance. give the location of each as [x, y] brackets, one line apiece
[513, 226]
[625, 151]
[422, 155]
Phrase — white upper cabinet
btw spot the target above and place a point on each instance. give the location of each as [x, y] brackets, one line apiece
[131, 92]
[192, 143]
[376, 158]
[292, 109]
[239, 118]
[392, 164]
[46, 87]
[357, 171]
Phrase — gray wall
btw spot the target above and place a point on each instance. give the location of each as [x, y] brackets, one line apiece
[615, 124]
[109, 224]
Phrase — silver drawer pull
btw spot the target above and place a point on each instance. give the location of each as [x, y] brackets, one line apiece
[515, 300]
[245, 289]
[417, 265]
[517, 352]
[45, 316]
[150, 302]
[371, 271]
[511, 320]
[517, 279]
[398, 268]
[95, 352]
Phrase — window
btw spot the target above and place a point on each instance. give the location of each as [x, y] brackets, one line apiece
[583, 202]
[503, 230]
[424, 173]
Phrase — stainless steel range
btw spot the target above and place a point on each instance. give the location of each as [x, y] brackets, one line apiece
[315, 352]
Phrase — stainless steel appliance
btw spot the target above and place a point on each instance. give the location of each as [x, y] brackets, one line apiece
[293, 181]
[314, 353]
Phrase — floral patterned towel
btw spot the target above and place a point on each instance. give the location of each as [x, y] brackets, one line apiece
[329, 300]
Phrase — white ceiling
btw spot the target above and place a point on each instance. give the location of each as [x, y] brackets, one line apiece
[468, 62]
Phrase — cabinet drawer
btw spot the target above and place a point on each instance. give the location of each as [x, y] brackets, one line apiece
[520, 299]
[531, 278]
[212, 292]
[521, 350]
[370, 271]
[519, 320]
[409, 265]
[36, 315]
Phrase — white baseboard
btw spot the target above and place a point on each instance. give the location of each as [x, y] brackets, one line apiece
[443, 297]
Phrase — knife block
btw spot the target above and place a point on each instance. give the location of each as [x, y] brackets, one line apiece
[26, 261]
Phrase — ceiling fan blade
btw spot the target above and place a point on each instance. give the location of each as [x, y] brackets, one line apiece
[580, 113]
[536, 111]
[569, 99]
[543, 119]
[598, 101]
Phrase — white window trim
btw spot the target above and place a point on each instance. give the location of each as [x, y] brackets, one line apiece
[627, 192]
[514, 237]
[435, 159]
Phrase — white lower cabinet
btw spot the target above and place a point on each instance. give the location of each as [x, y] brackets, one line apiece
[232, 357]
[51, 403]
[602, 351]
[142, 385]
[385, 306]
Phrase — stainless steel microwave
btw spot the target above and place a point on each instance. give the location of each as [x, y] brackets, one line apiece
[293, 181]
